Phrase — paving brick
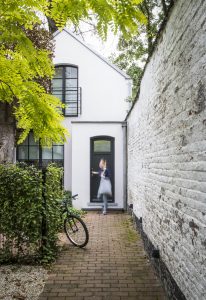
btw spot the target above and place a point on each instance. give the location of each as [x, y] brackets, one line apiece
[113, 266]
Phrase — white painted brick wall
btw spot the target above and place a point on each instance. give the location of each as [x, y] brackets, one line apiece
[167, 148]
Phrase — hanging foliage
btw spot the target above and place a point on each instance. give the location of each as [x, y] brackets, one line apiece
[25, 58]
[133, 52]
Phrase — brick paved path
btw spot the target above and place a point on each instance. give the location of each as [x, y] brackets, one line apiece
[113, 265]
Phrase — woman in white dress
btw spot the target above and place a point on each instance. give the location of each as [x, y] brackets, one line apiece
[105, 187]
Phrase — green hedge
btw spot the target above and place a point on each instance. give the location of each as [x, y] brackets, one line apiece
[29, 212]
[52, 211]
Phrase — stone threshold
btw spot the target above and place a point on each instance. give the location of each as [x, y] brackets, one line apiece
[98, 206]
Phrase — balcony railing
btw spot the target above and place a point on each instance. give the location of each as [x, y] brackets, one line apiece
[72, 98]
[73, 102]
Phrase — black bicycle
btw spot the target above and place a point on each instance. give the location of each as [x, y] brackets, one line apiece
[74, 226]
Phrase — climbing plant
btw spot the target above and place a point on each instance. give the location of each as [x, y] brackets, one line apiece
[30, 212]
[52, 222]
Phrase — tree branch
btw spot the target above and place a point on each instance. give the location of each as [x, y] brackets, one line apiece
[7, 85]
[145, 10]
[52, 25]
[164, 7]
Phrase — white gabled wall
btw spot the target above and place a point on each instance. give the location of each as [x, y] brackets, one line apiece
[104, 90]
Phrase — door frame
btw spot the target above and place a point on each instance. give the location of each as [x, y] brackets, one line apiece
[96, 138]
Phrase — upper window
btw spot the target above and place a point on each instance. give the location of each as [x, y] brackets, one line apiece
[65, 87]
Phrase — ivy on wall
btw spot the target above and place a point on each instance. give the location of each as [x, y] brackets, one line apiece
[52, 222]
[29, 212]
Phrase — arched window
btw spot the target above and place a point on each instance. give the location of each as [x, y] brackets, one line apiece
[65, 87]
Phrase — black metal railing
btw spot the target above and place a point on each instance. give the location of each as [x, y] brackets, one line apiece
[72, 98]
[72, 101]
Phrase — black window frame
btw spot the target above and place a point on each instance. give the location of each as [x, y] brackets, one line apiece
[64, 90]
[40, 162]
[103, 154]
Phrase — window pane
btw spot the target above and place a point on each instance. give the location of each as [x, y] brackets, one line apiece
[71, 72]
[23, 152]
[71, 108]
[57, 84]
[26, 141]
[58, 72]
[58, 152]
[71, 83]
[102, 146]
[46, 153]
[57, 88]
[34, 152]
[58, 95]
[71, 96]
[31, 140]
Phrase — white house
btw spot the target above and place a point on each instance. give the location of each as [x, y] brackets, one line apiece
[94, 92]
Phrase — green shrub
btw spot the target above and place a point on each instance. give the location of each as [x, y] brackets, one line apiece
[21, 209]
[29, 212]
[67, 195]
[52, 211]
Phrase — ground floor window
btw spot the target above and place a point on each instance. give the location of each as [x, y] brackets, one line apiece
[30, 151]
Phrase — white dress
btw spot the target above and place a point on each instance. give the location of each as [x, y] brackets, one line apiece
[105, 186]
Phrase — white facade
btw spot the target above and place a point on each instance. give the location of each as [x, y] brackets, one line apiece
[105, 89]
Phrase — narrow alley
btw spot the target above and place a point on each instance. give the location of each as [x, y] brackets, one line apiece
[113, 265]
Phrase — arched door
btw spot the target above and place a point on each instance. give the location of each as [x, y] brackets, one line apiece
[101, 147]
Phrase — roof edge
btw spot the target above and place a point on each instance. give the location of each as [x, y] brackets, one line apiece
[94, 52]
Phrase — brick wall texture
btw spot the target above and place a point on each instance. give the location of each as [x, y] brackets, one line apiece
[167, 148]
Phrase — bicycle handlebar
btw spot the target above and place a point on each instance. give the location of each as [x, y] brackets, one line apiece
[65, 201]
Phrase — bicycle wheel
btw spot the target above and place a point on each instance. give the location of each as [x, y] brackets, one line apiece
[76, 231]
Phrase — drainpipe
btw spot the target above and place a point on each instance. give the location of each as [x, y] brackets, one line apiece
[124, 127]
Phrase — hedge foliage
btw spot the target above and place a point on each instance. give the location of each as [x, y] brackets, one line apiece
[52, 211]
[29, 212]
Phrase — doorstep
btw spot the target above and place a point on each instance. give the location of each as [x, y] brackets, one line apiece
[98, 206]
[101, 203]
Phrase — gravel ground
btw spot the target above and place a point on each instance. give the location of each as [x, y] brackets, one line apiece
[21, 282]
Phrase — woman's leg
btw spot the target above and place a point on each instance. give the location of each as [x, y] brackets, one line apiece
[105, 203]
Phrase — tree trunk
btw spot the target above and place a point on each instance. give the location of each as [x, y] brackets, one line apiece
[7, 134]
[52, 25]
[146, 11]
[164, 7]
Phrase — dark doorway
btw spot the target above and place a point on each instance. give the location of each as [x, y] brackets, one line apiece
[101, 147]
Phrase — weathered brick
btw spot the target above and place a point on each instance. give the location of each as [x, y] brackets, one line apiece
[167, 148]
